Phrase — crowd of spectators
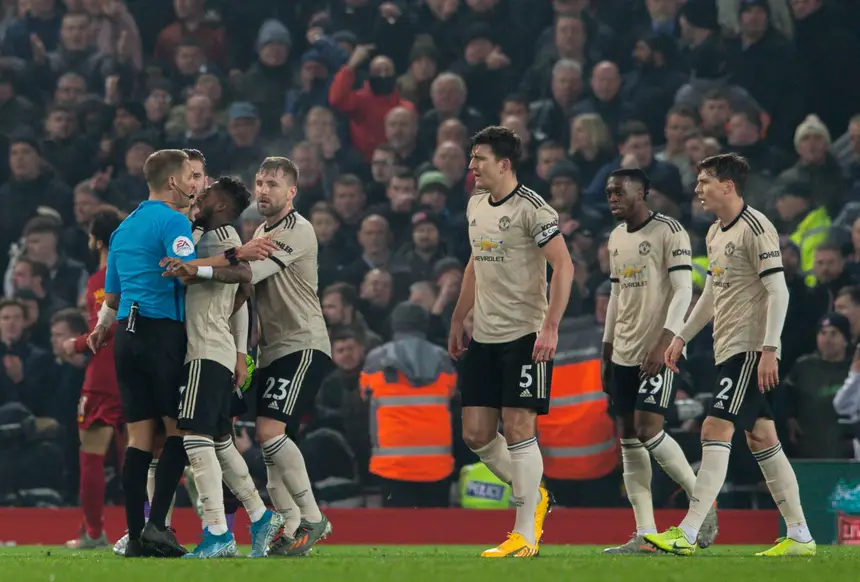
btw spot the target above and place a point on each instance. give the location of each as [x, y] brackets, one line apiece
[375, 102]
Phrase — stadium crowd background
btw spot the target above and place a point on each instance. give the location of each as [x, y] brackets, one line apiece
[375, 102]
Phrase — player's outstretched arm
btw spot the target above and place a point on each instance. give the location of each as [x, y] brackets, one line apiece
[558, 256]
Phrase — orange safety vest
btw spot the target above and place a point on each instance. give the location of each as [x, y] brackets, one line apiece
[577, 437]
[410, 427]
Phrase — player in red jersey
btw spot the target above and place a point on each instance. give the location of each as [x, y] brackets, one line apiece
[100, 418]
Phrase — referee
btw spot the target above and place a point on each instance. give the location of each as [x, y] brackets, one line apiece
[150, 343]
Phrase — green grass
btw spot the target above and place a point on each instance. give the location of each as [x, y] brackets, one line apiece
[432, 563]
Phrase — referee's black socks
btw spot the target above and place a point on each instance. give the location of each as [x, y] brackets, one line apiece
[134, 472]
[169, 471]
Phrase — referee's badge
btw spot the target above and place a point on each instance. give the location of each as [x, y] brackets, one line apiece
[182, 246]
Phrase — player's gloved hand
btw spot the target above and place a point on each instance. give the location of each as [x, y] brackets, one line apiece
[673, 354]
[244, 371]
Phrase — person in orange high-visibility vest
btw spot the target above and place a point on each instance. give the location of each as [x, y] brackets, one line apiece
[409, 383]
[577, 437]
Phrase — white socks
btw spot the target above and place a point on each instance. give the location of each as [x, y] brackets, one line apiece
[782, 483]
[712, 475]
[235, 474]
[668, 454]
[497, 458]
[207, 478]
[281, 499]
[527, 472]
[637, 482]
[287, 459]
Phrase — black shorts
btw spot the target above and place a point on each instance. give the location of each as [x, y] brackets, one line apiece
[150, 367]
[737, 397]
[287, 388]
[205, 407]
[630, 392]
[505, 376]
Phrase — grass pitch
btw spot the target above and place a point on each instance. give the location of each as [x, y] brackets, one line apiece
[432, 563]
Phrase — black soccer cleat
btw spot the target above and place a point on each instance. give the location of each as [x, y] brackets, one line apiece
[161, 543]
[135, 549]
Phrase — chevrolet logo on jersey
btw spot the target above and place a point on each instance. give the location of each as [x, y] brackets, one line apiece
[486, 244]
[628, 271]
[717, 274]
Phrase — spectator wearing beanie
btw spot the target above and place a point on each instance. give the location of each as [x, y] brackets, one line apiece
[565, 194]
[266, 83]
[815, 167]
[416, 259]
[485, 68]
[807, 393]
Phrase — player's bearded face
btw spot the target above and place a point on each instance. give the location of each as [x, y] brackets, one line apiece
[272, 193]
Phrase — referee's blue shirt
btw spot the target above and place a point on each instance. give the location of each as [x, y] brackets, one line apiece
[153, 231]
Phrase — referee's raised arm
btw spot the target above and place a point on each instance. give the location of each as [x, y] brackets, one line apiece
[150, 341]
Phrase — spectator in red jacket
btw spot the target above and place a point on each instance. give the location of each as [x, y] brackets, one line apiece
[367, 107]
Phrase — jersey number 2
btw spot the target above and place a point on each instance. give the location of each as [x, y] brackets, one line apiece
[281, 392]
[726, 385]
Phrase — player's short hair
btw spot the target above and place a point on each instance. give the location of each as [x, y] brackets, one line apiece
[237, 193]
[632, 129]
[727, 167]
[61, 108]
[323, 207]
[4, 303]
[42, 225]
[72, 317]
[830, 245]
[349, 180]
[37, 269]
[852, 292]
[684, 111]
[342, 333]
[751, 115]
[105, 220]
[75, 13]
[715, 95]
[348, 294]
[195, 156]
[402, 173]
[550, 145]
[635, 175]
[162, 164]
[274, 164]
[503, 142]
[387, 148]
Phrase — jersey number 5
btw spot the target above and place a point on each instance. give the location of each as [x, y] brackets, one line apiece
[272, 393]
[526, 376]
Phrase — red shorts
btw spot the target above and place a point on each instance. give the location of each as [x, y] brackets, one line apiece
[96, 407]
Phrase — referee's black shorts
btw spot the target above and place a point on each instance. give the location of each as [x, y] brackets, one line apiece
[149, 367]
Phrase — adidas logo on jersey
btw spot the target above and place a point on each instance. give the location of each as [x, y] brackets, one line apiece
[525, 394]
[719, 404]
[473, 223]
[273, 405]
[650, 400]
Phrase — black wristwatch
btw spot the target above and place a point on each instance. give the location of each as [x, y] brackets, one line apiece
[230, 255]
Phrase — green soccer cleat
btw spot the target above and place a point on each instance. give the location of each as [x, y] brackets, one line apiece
[306, 536]
[787, 547]
[672, 541]
[710, 528]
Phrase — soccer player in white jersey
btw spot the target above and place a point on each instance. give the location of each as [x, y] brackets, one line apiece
[506, 371]
[746, 296]
[217, 328]
[295, 351]
[651, 277]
